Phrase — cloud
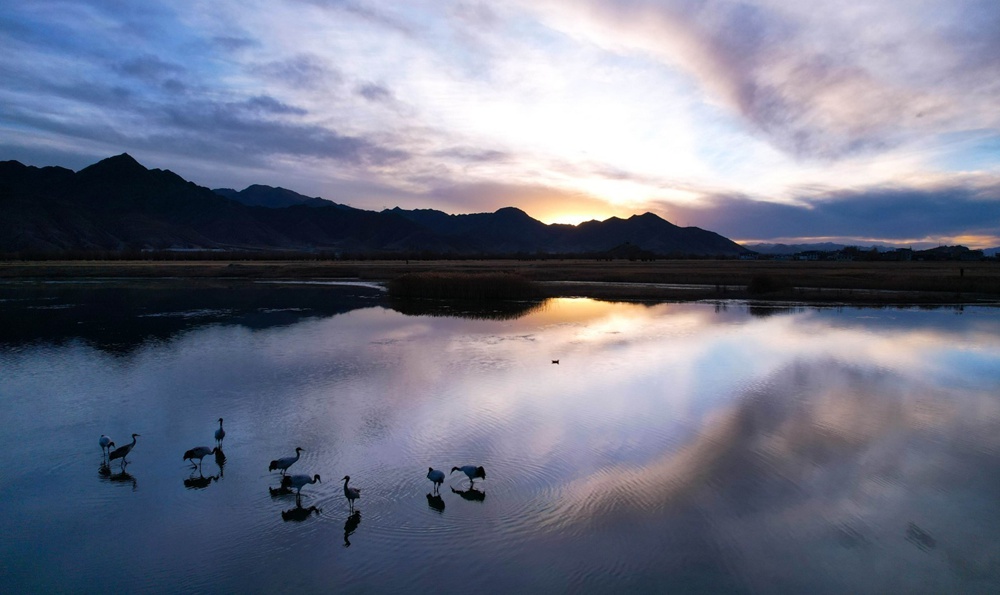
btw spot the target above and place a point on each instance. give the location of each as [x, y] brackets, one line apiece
[307, 71]
[375, 93]
[568, 110]
[820, 457]
[474, 155]
[264, 104]
[367, 11]
[232, 43]
[822, 81]
[890, 214]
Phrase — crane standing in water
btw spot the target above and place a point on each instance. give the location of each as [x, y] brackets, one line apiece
[296, 482]
[352, 494]
[199, 452]
[471, 471]
[285, 462]
[106, 444]
[220, 434]
[122, 451]
[436, 476]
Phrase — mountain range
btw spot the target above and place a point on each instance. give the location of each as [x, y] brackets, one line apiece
[118, 204]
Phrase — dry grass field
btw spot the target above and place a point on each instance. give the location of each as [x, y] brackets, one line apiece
[851, 282]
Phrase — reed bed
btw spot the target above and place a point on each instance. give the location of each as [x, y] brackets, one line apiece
[856, 282]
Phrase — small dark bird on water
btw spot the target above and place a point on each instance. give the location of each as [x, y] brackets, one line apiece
[286, 462]
[555, 361]
[220, 434]
[199, 452]
[471, 471]
[122, 451]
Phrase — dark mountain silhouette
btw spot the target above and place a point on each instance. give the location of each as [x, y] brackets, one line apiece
[258, 195]
[117, 204]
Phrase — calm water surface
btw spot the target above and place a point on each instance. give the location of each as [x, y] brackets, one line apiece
[673, 448]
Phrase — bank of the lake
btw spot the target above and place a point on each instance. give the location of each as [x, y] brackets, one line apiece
[674, 280]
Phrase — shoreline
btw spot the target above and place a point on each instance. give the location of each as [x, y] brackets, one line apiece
[833, 283]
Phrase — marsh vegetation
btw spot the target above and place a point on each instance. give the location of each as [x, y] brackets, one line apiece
[849, 282]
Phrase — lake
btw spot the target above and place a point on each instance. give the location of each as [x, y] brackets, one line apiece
[676, 447]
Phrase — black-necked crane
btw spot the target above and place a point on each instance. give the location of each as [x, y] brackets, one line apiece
[471, 471]
[436, 476]
[350, 493]
[220, 434]
[122, 451]
[297, 481]
[199, 452]
[106, 444]
[286, 462]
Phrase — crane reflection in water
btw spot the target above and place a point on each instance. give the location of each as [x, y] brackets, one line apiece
[122, 478]
[436, 502]
[202, 481]
[350, 526]
[299, 514]
[470, 494]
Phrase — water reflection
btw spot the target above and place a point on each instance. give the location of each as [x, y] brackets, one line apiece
[350, 526]
[122, 477]
[280, 492]
[119, 316]
[758, 310]
[819, 448]
[220, 461]
[299, 514]
[471, 494]
[920, 538]
[200, 482]
[436, 502]
[472, 310]
[676, 448]
[203, 481]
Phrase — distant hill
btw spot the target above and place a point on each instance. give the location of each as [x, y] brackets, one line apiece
[781, 249]
[784, 249]
[258, 195]
[117, 205]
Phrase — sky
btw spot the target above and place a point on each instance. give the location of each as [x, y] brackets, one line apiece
[850, 121]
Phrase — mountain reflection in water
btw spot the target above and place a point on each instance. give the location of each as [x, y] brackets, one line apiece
[675, 448]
